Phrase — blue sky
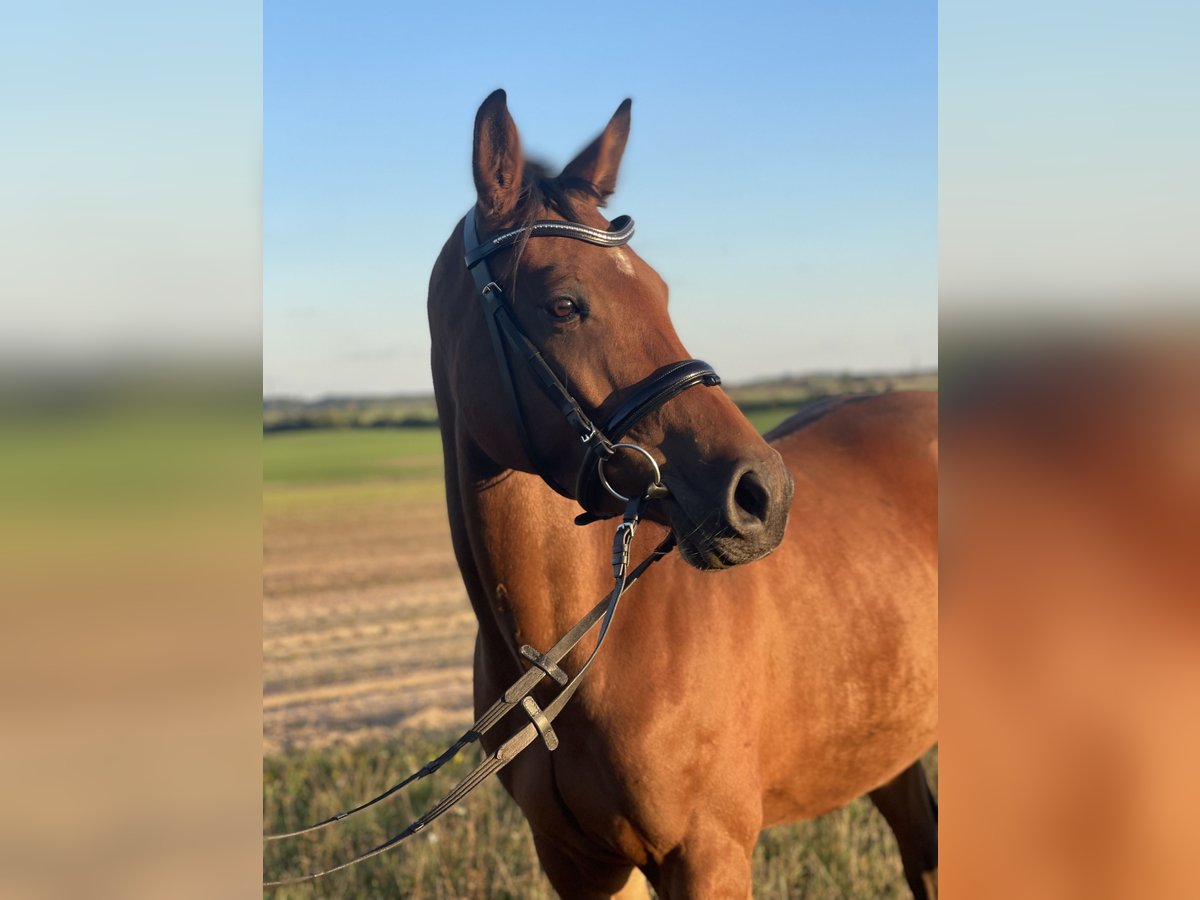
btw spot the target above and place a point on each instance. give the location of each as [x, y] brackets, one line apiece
[782, 169]
[129, 180]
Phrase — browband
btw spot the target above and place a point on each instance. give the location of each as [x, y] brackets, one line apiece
[618, 232]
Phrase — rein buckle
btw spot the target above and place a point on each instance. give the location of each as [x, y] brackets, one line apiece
[622, 541]
[540, 660]
[541, 723]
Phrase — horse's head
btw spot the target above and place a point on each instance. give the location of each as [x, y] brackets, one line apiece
[598, 315]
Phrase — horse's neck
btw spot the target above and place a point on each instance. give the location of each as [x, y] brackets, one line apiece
[529, 571]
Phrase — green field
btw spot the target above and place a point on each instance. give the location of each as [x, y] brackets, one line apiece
[281, 414]
[356, 455]
[352, 455]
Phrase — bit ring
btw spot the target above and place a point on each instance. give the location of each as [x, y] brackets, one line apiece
[642, 450]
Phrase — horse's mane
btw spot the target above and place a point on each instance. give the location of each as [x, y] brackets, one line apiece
[541, 190]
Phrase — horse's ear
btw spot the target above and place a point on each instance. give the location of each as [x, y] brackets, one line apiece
[497, 160]
[600, 160]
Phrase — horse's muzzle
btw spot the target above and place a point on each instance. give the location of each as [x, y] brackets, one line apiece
[740, 518]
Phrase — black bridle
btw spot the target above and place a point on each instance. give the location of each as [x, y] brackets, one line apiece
[599, 442]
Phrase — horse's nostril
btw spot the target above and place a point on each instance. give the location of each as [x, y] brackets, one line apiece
[751, 499]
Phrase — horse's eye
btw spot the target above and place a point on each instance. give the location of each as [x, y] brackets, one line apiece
[564, 308]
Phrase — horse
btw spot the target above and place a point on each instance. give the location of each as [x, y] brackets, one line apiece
[783, 662]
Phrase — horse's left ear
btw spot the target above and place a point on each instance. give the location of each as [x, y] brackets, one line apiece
[600, 160]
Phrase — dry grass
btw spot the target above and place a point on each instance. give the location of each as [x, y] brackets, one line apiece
[483, 848]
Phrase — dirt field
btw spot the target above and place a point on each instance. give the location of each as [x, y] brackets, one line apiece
[366, 627]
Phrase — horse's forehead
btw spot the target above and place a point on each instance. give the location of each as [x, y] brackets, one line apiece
[599, 262]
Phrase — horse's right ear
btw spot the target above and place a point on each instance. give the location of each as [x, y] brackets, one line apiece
[497, 160]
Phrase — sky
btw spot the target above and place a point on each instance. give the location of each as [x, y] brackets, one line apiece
[781, 167]
[130, 180]
[1068, 148]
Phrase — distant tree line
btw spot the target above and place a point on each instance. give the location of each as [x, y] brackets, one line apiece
[288, 414]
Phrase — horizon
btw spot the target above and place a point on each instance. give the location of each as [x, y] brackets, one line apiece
[899, 372]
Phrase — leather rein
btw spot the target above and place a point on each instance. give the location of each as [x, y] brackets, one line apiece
[599, 446]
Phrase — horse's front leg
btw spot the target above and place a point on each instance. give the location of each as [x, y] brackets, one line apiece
[711, 862]
[576, 875]
[911, 811]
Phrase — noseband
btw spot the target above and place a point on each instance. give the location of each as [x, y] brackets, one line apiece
[600, 442]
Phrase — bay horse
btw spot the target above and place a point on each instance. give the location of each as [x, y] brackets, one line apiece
[782, 663]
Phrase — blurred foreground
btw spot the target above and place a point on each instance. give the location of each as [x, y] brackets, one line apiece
[129, 632]
[1070, 627]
